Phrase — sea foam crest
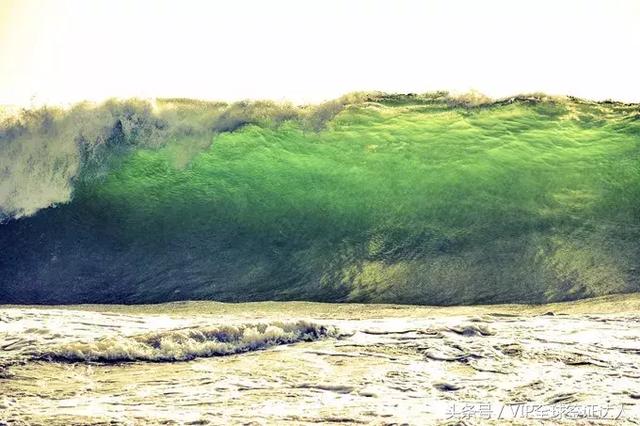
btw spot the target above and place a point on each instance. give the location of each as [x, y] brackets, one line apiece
[189, 343]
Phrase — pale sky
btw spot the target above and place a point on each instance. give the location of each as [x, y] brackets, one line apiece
[63, 51]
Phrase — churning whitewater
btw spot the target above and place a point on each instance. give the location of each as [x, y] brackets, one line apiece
[188, 343]
[275, 363]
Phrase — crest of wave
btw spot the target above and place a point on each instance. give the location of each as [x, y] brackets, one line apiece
[44, 152]
[189, 343]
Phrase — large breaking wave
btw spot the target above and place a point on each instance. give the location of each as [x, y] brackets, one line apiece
[373, 198]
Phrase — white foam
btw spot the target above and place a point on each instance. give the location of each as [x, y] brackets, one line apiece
[189, 343]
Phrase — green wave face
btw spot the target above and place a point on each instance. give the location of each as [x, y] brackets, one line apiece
[393, 201]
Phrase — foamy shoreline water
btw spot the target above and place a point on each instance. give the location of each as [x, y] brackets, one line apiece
[318, 363]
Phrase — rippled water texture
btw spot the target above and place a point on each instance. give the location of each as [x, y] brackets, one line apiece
[309, 363]
[422, 199]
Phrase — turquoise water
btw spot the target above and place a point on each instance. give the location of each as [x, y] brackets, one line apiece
[404, 199]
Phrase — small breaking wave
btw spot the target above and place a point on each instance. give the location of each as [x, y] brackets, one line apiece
[189, 343]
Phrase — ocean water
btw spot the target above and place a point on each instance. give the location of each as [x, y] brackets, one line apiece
[374, 199]
[371, 198]
[301, 363]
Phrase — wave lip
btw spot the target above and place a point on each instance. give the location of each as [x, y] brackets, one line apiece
[189, 343]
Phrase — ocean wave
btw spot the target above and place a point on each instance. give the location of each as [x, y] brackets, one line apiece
[189, 343]
[46, 152]
[400, 199]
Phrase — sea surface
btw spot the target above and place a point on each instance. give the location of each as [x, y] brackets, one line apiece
[371, 198]
[311, 363]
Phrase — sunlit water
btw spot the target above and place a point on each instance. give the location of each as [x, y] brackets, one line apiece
[410, 367]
